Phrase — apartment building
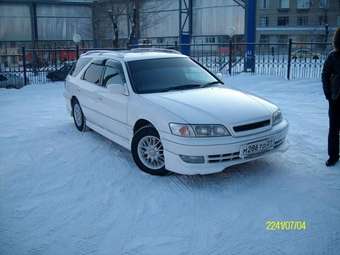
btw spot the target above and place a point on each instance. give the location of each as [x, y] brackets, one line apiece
[300, 20]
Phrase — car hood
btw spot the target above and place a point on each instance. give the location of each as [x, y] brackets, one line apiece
[214, 105]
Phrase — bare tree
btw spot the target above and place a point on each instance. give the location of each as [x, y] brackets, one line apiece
[108, 16]
[116, 10]
[153, 13]
[131, 9]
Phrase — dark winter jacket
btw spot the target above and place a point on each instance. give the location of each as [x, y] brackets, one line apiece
[331, 76]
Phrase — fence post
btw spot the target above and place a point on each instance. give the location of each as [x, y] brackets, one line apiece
[230, 64]
[55, 56]
[24, 64]
[289, 58]
[77, 52]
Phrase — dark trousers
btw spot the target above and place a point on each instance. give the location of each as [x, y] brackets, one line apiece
[334, 128]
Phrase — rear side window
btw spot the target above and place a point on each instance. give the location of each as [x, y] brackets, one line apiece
[79, 66]
[93, 73]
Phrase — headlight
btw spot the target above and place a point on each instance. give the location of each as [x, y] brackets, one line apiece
[181, 129]
[210, 130]
[277, 117]
[187, 130]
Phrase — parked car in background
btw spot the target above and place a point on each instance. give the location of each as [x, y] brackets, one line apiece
[305, 54]
[61, 73]
[11, 80]
[171, 112]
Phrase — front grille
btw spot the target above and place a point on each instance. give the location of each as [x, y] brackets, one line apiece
[279, 142]
[252, 126]
[223, 157]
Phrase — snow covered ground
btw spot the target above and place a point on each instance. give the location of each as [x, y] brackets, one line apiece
[66, 192]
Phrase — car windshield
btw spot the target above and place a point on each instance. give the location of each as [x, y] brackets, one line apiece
[166, 74]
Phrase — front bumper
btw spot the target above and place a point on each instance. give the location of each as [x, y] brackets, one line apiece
[68, 103]
[219, 153]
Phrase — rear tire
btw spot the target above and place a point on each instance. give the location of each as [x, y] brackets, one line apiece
[147, 151]
[78, 116]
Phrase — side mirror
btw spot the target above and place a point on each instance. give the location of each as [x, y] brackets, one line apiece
[116, 88]
[220, 76]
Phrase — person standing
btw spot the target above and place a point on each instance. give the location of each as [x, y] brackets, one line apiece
[331, 88]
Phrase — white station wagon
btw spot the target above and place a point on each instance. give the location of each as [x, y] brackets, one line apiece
[171, 112]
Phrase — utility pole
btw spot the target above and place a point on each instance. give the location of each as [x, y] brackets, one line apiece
[34, 24]
[250, 33]
[34, 35]
[326, 23]
[185, 25]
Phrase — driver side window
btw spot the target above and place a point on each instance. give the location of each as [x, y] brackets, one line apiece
[113, 73]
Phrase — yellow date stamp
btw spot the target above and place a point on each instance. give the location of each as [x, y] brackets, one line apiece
[285, 225]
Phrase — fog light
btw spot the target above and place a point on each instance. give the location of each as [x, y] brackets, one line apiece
[192, 159]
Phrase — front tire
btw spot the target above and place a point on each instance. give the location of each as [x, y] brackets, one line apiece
[78, 116]
[148, 152]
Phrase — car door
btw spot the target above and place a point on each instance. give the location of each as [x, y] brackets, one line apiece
[88, 87]
[112, 104]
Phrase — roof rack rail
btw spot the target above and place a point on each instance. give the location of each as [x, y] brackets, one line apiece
[155, 50]
[97, 51]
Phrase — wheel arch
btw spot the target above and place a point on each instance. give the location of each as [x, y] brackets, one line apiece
[140, 123]
[139, 132]
[74, 99]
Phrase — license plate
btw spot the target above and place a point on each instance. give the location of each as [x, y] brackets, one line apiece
[256, 148]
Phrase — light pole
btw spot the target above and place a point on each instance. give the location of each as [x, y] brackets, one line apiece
[326, 32]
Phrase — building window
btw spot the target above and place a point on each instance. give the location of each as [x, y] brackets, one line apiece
[223, 39]
[283, 39]
[323, 20]
[302, 20]
[264, 21]
[284, 4]
[303, 4]
[338, 21]
[283, 21]
[264, 38]
[160, 40]
[323, 4]
[210, 39]
[264, 4]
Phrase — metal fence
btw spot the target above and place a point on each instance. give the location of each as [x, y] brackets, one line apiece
[291, 60]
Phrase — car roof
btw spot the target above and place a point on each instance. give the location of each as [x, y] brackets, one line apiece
[134, 54]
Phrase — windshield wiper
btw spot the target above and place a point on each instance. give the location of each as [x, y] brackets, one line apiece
[190, 86]
[210, 84]
[181, 87]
